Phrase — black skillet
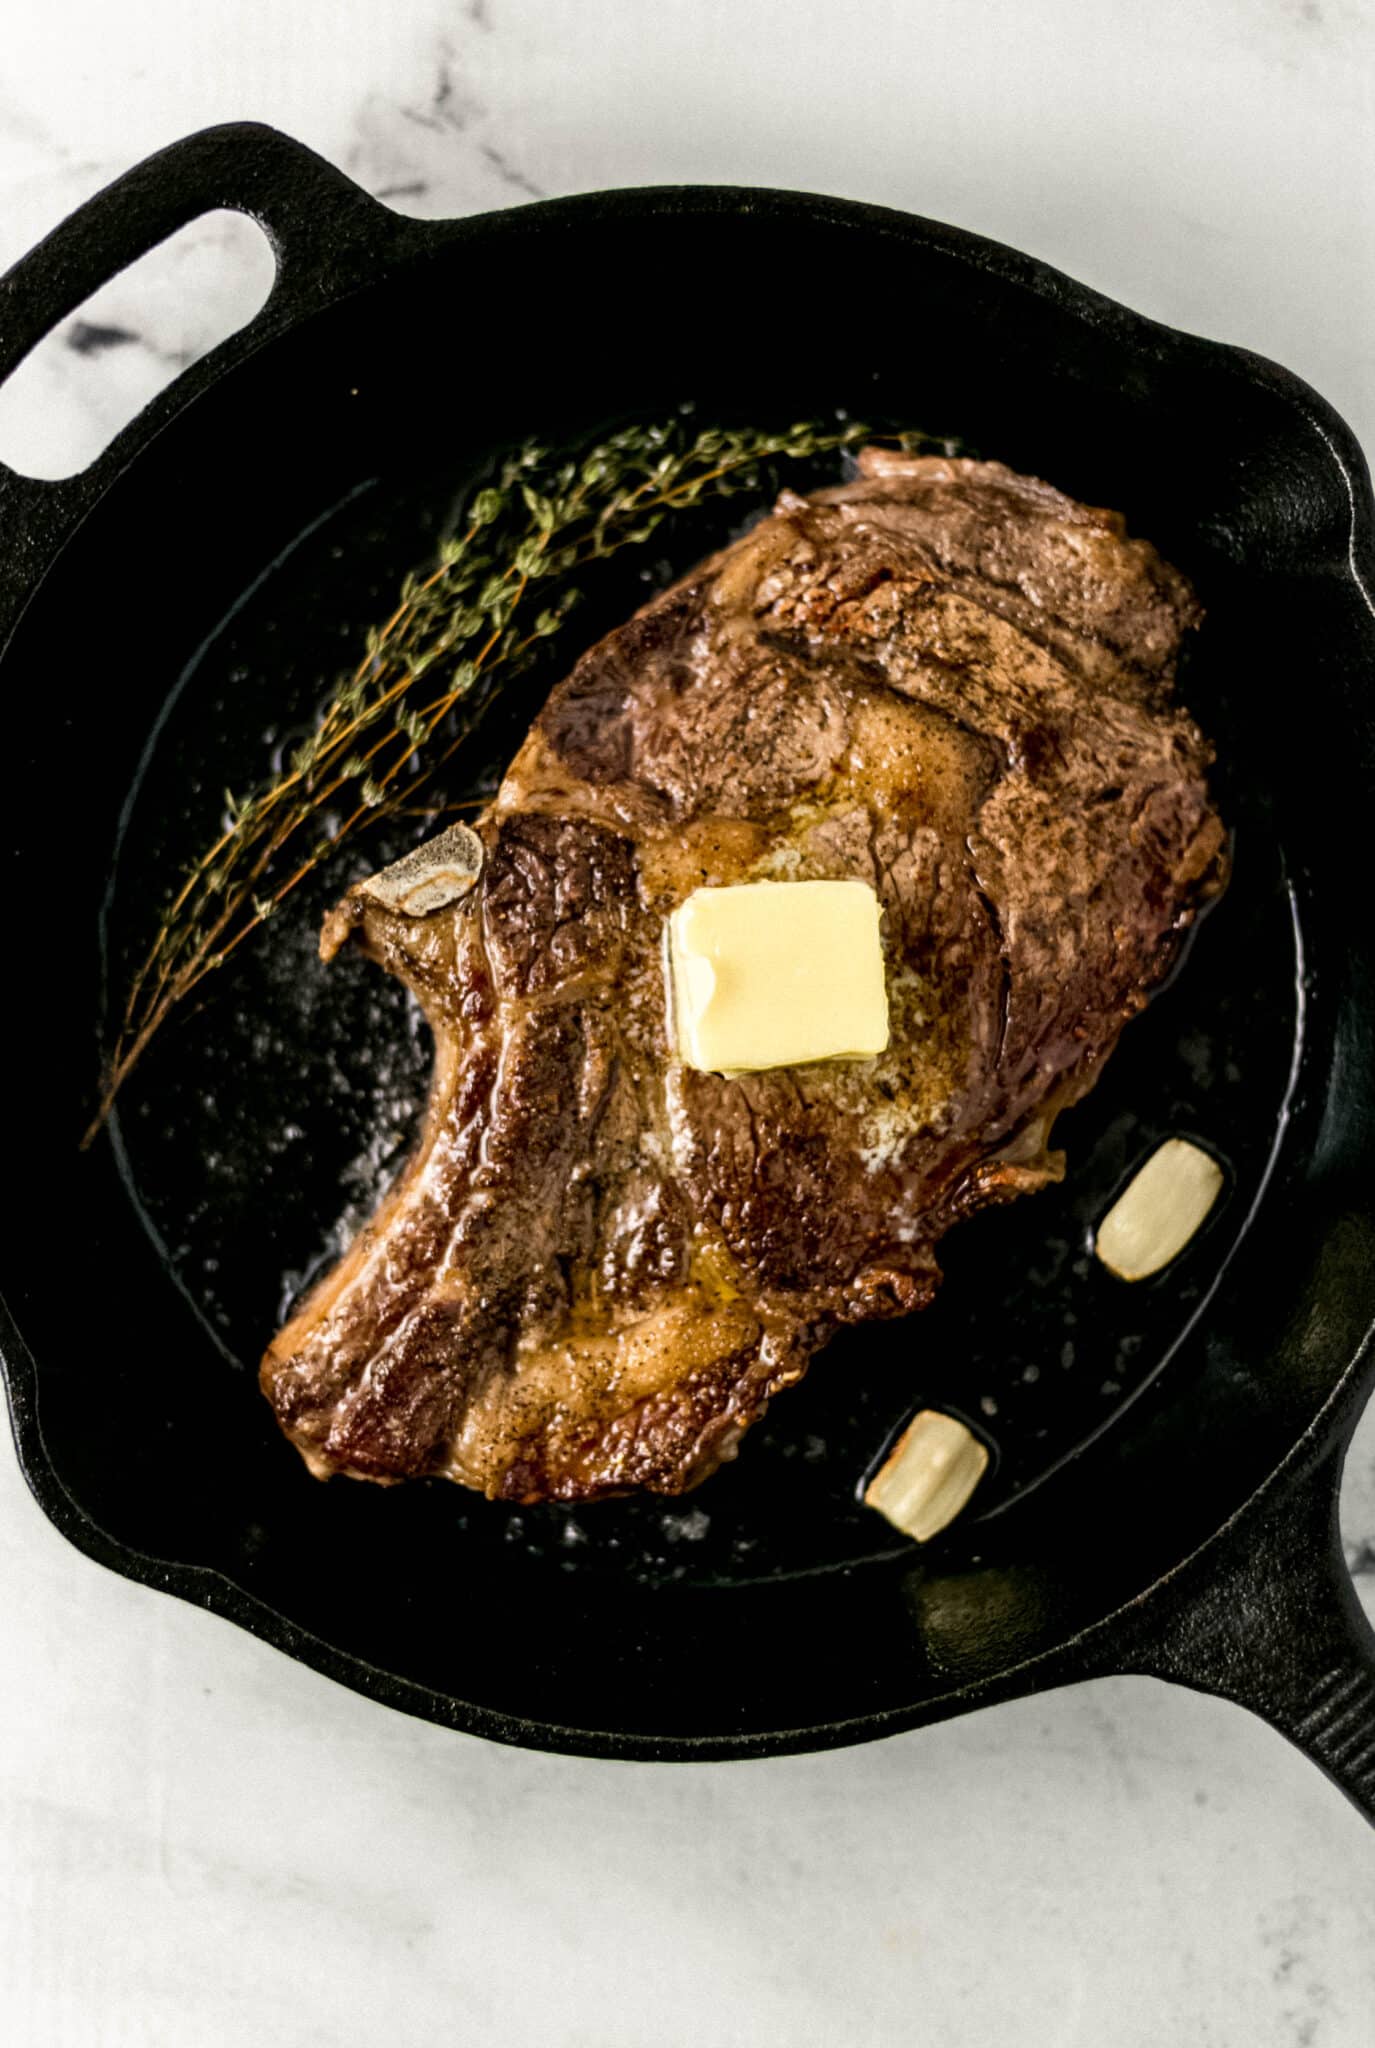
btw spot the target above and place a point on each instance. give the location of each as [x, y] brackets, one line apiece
[1167, 1457]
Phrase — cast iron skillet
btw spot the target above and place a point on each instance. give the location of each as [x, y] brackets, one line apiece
[1167, 1457]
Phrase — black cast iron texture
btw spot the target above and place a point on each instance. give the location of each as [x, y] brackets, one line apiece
[1181, 1517]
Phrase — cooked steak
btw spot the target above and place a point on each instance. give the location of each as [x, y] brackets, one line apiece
[944, 679]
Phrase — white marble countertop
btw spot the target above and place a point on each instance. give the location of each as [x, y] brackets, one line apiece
[202, 1843]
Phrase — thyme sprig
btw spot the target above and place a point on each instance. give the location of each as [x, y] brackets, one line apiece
[502, 584]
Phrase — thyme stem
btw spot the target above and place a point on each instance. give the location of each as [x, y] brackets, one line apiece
[544, 520]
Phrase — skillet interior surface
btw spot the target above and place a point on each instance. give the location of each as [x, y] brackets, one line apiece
[188, 629]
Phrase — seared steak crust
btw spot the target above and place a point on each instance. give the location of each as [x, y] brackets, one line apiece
[944, 679]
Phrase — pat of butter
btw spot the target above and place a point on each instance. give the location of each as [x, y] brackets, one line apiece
[770, 974]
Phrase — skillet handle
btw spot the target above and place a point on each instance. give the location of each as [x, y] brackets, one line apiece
[1267, 1616]
[326, 234]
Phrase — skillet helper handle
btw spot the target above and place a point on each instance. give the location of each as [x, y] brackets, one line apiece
[1268, 1617]
[326, 234]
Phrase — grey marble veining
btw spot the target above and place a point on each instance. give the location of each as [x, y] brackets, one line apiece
[201, 1843]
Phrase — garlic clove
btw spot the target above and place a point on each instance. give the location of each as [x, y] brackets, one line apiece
[1159, 1210]
[928, 1476]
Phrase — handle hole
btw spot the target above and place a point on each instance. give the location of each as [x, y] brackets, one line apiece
[98, 369]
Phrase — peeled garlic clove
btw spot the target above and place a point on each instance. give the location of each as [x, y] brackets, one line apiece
[1158, 1212]
[928, 1475]
[431, 876]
